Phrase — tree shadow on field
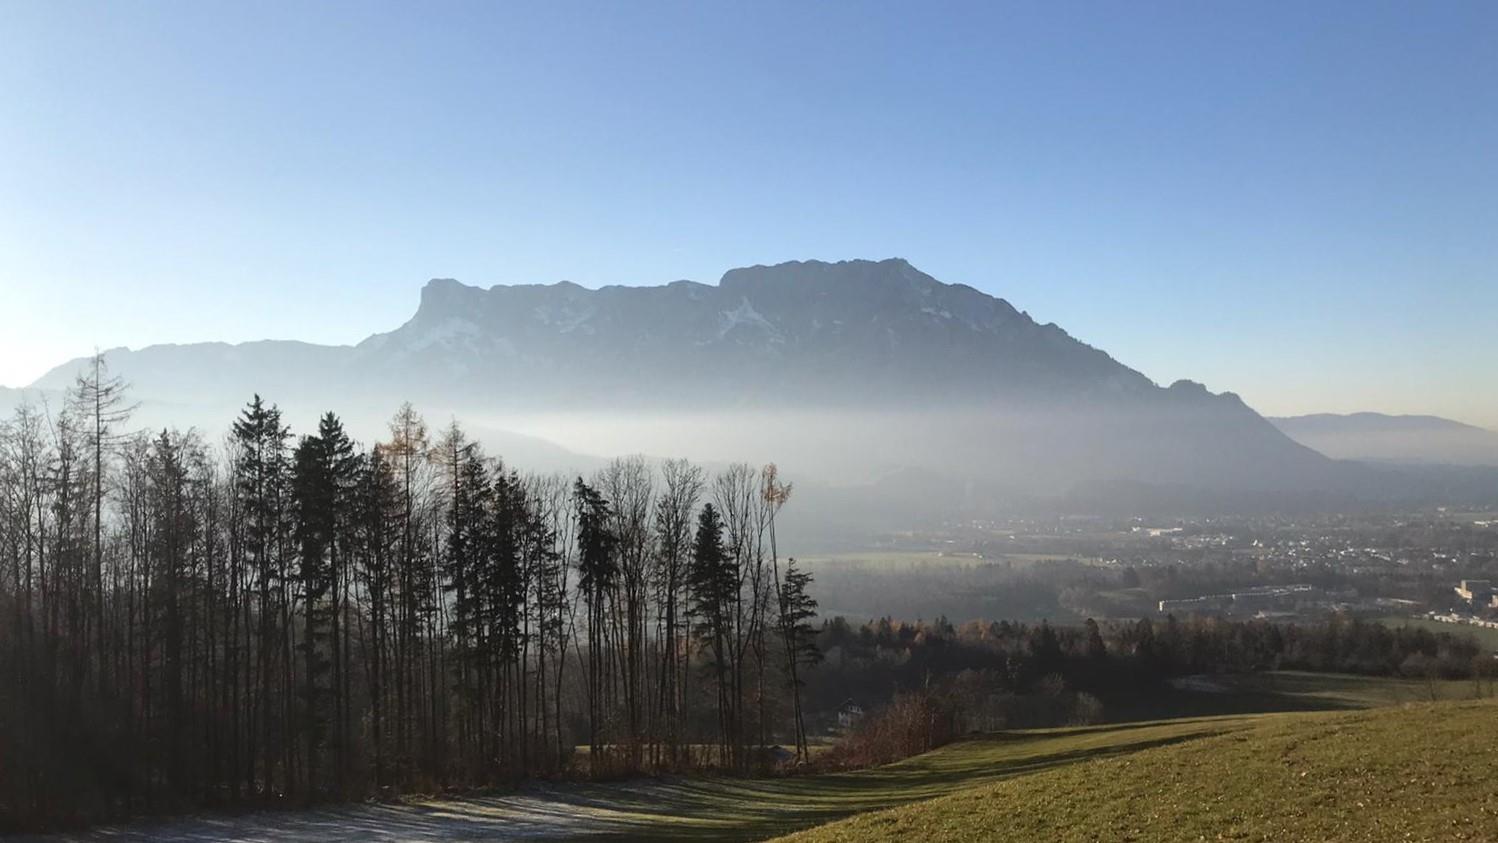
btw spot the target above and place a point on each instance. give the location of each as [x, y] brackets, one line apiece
[755, 810]
[741, 809]
[671, 808]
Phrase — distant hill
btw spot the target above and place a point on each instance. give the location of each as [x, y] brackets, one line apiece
[1399, 439]
[1410, 773]
[11, 399]
[856, 373]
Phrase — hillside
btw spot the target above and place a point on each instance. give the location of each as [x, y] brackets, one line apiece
[1377, 437]
[1418, 772]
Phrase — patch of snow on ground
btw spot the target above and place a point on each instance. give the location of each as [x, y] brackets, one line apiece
[1198, 683]
[540, 812]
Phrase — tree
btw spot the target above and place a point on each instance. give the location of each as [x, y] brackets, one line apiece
[470, 544]
[627, 485]
[597, 580]
[414, 584]
[174, 536]
[302, 618]
[100, 398]
[377, 507]
[797, 609]
[323, 474]
[714, 590]
[261, 470]
[673, 526]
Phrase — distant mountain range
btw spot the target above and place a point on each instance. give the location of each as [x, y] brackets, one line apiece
[861, 373]
[1376, 437]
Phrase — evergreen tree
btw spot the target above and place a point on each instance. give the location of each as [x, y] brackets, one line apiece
[714, 586]
[597, 580]
[797, 609]
[261, 471]
[323, 473]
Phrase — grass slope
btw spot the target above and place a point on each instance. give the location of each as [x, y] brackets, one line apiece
[753, 809]
[740, 809]
[1417, 772]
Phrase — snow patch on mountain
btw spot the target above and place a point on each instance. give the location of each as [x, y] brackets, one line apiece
[452, 332]
[563, 319]
[744, 315]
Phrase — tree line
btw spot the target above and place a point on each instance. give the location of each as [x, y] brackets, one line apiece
[924, 684]
[186, 623]
[1027, 669]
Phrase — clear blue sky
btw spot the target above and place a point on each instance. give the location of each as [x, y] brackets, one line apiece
[1295, 201]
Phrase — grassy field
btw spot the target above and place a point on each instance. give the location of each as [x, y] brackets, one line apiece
[907, 559]
[726, 809]
[1487, 638]
[1419, 772]
[738, 809]
[1313, 691]
[894, 559]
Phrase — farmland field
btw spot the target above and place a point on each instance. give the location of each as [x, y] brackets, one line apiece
[1486, 638]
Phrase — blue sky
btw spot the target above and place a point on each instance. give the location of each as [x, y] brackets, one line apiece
[1294, 201]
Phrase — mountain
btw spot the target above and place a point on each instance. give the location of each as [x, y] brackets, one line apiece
[845, 333]
[1376, 437]
[854, 372]
[12, 399]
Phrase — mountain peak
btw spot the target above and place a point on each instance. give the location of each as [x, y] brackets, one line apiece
[444, 294]
[855, 272]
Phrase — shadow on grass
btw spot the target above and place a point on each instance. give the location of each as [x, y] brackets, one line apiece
[747, 812]
[1268, 693]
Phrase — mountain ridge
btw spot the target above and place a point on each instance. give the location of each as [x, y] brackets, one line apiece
[1402, 439]
[738, 302]
[834, 366]
[1377, 420]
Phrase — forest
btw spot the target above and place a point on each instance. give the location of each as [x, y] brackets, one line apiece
[272, 617]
